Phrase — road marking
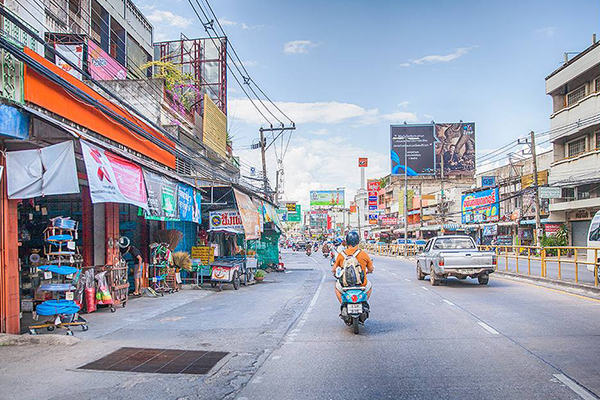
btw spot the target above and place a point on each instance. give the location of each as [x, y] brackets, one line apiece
[258, 379]
[448, 302]
[395, 274]
[383, 269]
[424, 288]
[584, 394]
[407, 280]
[275, 357]
[488, 328]
[313, 260]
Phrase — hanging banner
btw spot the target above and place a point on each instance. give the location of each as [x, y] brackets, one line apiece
[481, 206]
[73, 53]
[103, 67]
[162, 197]
[249, 214]
[42, 172]
[225, 219]
[186, 202]
[113, 179]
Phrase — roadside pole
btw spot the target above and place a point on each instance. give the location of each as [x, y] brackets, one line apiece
[263, 152]
[538, 224]
[405, 194]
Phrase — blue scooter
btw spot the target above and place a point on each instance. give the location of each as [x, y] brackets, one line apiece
[355, 309]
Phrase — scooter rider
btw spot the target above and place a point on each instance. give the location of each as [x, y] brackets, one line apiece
[352, 240]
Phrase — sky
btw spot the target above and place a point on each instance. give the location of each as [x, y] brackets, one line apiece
[344, 70]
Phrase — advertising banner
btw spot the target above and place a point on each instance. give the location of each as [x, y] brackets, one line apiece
[163, 195]
[419, 143]
[373, 186]
[527, 180]
[411, 195]
[482, 206]
[189, 203]
[373, 219]
[250, 215]
[551, 229]
[113, 179]
[327, 198]
[388, 220]
[102, 66]
[455, 147]
[73, 53]
[363, 162]
[225, 219]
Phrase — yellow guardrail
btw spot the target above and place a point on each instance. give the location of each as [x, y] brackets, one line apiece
[575, 263]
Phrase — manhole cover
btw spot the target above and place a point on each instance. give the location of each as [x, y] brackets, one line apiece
[158, 361]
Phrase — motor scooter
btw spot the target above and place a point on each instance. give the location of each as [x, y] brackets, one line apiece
[308, 251]
[355, 308]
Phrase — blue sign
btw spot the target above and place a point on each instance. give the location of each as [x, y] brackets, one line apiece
[482, 206]
[488, 181]
[372, 198]
[13, 123]
[372, 208]
[189, 204]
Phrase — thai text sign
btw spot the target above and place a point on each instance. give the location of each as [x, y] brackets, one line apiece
[413, 145]
[550, 192]
[482, 206]
[527, 180]
[163, 195]
[230, 219]
[373, 186]
[388, 220]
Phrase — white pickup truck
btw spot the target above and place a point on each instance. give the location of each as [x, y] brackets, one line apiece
[457, 256]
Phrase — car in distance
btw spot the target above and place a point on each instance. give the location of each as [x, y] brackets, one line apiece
[458, 256]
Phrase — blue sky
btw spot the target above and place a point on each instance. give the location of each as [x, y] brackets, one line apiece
[345, 70]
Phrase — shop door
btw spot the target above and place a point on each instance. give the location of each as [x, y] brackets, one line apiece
[112, 233]
[580, 231]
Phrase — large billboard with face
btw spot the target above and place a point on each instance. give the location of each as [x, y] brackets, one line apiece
[455, 148]
[419, 143]
[327, 198]
[482, 206]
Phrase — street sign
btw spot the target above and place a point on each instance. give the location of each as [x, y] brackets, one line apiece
[363, 162]
[550, 192]
[488, 181]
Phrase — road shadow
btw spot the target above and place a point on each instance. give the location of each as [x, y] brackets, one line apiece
[472, 283]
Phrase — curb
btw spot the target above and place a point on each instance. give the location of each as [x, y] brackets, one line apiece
[569, 287]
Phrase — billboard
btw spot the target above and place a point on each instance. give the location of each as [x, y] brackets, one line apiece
[419, 142]
[363, 162]
[214, 128]
[327, 198]
[482, 206]
[102, 66]
[455, 148]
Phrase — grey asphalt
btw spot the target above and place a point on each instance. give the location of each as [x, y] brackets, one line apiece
[508, 340]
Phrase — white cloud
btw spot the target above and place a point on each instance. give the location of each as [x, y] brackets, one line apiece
[243, 25]
[298, 46]
[331, 112]
[320, 132]
[308, 165]
[437, 58]
[549, 31]
[168, 18]
[403, 104]
[250, 63]
[226, 22]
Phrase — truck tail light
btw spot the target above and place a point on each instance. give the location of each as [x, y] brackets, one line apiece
[441, 262]
[494, 260]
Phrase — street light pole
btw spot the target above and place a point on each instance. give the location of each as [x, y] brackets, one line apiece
[405, 194]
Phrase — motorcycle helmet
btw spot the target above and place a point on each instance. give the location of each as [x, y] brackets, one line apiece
[337, 241]
[352, 238]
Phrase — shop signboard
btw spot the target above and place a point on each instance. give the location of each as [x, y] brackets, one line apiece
[551, 229]
[373, 186]
[481, 206]
[488, 181]
[419, 143]
[363, 162]
[297, 216]
[189, 203]
[385, 220]
[249, 214]
[410, 197]
[102, 66]
[455, 147]
[283, 213]
[204, 254]
[113, 179]
[225, 219]
[550, 192]
[527, 180]
[163, 194]
[214, 128]
[291, 207]
[373, 219]
[490, 230]
[372, 207]
[352, 208]
[73, 53]
[327, 198]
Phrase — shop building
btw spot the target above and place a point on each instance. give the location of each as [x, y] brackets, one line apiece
[575, 137]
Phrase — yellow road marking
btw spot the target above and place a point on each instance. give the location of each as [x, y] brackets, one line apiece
[547, 288]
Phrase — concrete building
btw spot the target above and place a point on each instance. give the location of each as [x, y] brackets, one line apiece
[575, 136]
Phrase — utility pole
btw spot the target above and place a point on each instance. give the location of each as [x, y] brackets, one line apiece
[443, 206]
[538, 224]
[263, 151]
[421, 210]
[405, 195]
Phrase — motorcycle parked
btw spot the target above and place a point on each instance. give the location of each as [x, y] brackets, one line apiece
[354, 309]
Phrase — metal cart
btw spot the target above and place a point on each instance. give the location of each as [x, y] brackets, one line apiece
[232, 270]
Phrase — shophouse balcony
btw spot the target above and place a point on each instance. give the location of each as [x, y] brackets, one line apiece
[576, 117]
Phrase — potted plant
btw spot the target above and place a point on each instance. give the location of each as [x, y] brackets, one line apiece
[259, 276]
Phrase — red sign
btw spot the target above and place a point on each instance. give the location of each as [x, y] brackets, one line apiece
[363, 162]
[352, 209]
[388, 220]
[373, 186]
[551, 229]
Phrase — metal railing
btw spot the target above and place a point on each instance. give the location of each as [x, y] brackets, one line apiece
[569, 263]
[574, 263]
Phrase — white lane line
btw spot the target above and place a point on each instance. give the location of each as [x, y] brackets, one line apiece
[448, 302]
[584, 394]
[488, 328]
[383, 269]
[424, 288]
[407, 280]
[313, 260]
[395, 274]
[275, 357]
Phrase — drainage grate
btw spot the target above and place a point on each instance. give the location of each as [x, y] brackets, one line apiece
[158, 361]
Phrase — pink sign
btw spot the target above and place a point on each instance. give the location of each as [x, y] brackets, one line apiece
[103, 67]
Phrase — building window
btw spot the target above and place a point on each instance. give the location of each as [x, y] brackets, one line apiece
[576, 147]
[597, 140]
[568, 194]
[583, 192]
[575, 95]
[597, 85]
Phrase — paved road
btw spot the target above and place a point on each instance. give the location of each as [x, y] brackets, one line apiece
[457, 341]
[285, 341]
